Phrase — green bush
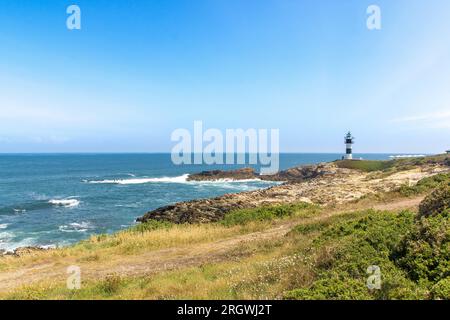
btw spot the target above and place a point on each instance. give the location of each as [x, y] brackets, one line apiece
[441, 290]
[435, 203]
[334, 288]
[267, 213]
[424, 253]
[426, 185]
[345, 251]
[413, 256]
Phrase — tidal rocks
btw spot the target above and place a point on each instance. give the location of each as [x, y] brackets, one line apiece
[290, 175]
[302, 173]
[240, 174]
[21, 251]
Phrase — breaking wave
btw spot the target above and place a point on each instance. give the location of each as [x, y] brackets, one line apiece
[179, 179]
[21, 208]
[76, 227]
[64, 202]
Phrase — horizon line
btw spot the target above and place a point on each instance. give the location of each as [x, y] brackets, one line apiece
[165, 152]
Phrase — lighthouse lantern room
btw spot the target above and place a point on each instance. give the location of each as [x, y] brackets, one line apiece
[349, 140]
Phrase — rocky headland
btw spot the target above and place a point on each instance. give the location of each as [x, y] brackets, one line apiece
[323, 184]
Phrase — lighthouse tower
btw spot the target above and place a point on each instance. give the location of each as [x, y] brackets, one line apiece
[349, 140]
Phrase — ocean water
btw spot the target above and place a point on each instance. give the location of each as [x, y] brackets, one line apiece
[58, 199]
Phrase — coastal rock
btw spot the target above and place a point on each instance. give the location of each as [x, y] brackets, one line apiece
[291, 175]
[303, 173]
[25, 251]
[240, 174]
[322, 184]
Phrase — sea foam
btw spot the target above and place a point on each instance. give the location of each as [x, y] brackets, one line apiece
[64, 202]
[76, 227]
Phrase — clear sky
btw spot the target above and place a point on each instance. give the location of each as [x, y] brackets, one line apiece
[137, 70]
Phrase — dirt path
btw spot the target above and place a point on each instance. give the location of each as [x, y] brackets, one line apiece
[156, 261]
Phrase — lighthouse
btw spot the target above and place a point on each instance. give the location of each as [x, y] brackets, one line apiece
[348, 143]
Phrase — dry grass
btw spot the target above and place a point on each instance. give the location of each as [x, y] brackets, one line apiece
[104, 248]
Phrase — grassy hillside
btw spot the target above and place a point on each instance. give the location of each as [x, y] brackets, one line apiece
[365, 165]
[393, 165]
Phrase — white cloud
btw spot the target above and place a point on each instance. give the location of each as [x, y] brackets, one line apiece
[434, 120]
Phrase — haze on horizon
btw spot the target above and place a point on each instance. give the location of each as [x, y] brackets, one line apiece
[138, 70]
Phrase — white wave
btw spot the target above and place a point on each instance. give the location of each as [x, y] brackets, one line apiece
[180, 179]
[4, 226]
[70, 202]
[20, 210]
[76, 227]
[408, 156]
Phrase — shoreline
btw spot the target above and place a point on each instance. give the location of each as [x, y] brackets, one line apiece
[304, 183]
[158, 254]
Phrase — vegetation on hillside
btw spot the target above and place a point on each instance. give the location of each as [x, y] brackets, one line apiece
[365, 165]
[268, 213]
[393, 165]
[425, 185]
[412, 252]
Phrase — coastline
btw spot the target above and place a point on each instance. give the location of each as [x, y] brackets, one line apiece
[276, 229]
[325, 184]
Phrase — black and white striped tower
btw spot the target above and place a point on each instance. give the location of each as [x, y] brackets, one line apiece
[349, 140]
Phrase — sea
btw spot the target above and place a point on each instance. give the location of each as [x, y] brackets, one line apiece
[54, 200]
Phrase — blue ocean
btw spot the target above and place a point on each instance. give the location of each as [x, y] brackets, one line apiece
[52, 200]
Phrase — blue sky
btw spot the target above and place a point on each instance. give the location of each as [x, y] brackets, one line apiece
[137, 70]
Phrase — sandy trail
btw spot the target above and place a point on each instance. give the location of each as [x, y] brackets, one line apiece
[152, 262]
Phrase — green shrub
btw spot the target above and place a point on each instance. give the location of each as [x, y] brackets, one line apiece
[424, 253]
[435, 203]
[334, 288]
[345, 250]
[426, 185]
[441, 290]
[267, 213]
[311, 227]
